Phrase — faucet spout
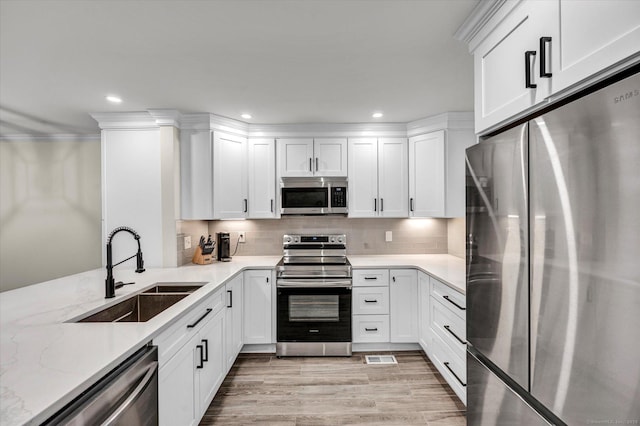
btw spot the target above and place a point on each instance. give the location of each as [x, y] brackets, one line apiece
[110, 285]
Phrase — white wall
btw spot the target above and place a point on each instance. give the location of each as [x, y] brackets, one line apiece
[50, 209]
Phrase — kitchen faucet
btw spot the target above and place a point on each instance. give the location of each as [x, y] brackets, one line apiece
[110, 284]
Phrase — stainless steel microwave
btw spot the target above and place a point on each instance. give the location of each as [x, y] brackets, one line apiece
[313, 195]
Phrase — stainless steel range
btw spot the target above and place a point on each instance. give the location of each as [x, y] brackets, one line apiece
[314, 296]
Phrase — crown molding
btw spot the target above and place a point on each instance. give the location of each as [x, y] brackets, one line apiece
[166, 117]
[446, 120]
[54, 137]
[124, 120]
[328, 130]
[475, 22]
[207, 121]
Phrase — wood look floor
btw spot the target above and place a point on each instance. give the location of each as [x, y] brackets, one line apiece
[262, 389]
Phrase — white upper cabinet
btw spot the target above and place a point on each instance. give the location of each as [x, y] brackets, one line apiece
[378, 177]
[530, 51]
[393, 177]
[229, 176]
[261, 178]
[594, 35]
[437, 174]
[309, 157]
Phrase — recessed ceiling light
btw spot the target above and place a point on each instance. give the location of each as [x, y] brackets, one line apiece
[377, 115]
[114, 99]
[246, 116]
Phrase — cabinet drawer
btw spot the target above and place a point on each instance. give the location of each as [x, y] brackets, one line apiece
[450, 327]
[174, 337]
[371, 300]
[370, 328]
[370, 277]
[456, 301]
[452, 368]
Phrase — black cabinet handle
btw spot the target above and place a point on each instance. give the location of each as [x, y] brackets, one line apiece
[230, 305]
[246, 205]
[316, 164]
[527, 69]
[543, 57]
[201, 358]
[446, 327]
[272, 205]
[200, 319]
[205, 358]
[370, 329]
[375, 204]
[446, 364]
[454, 303]
[381, 205]
[370, 301]
[394, 279]
[310, 160]
[411, 204]
[370, 278]
[267, 280]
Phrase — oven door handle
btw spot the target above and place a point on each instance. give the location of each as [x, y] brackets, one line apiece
[313, 283]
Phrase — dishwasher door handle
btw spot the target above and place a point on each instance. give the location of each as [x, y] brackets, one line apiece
[151, 370]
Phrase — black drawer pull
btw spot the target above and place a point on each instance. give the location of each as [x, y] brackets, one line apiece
[454, 303]
[201, 357]
[370, 329]
[370, 278]
[527, 70]
[446, 364]
[370, 301]
[543, 57]
[200, 319]
[446, 327]
[205, 358]
[230, 305]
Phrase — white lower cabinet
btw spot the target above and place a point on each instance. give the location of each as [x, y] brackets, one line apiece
[233, 320]
[403, 305]
[370, 328]
[370, 306]
[257, 306]
[192, 364]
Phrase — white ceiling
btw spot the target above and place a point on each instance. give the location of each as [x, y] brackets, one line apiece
[296, 61]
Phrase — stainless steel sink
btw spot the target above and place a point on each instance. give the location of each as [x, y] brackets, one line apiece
[175, 287]
[143, 306]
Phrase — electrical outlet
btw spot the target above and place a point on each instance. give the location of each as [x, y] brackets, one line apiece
[242, 237]
[388, 236]
[187, 242]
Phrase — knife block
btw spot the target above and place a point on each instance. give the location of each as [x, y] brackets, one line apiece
[202, 259]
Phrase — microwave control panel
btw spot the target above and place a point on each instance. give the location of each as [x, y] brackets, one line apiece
[339, 196]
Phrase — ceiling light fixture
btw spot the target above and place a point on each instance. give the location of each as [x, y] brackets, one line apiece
[114, 99]
[246, 116]
[377, 115]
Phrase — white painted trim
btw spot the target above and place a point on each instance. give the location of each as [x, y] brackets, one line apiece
[444, 121]
[124, 120]
[166, 117]
[327, 130]
[483, 12]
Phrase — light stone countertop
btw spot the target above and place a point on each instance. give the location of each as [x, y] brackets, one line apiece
[45, 361]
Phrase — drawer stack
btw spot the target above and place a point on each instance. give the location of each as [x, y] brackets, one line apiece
[370, 305]
[448, 335]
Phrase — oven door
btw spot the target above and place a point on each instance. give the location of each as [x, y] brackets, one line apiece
[305, 200]
[314, 314]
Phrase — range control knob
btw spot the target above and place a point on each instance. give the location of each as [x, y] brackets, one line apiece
[287, 239]
[296, 239]
[340, 239]
[333, 239]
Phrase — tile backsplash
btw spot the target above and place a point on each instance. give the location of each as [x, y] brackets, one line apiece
[364, 236]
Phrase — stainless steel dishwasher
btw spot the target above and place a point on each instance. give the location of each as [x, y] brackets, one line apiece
[128, 395]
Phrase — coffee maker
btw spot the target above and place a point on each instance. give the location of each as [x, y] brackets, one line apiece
[224, 246]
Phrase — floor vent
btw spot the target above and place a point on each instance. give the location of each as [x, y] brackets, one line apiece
[381, 359]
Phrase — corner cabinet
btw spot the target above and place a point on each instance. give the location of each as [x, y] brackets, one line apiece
[378, 177]
[312, 157]
[213, 175]
[530, 51]
[261, 158]
[403, 305]
[437, 174]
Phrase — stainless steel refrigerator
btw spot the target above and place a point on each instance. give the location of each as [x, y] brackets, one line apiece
[553, 265]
